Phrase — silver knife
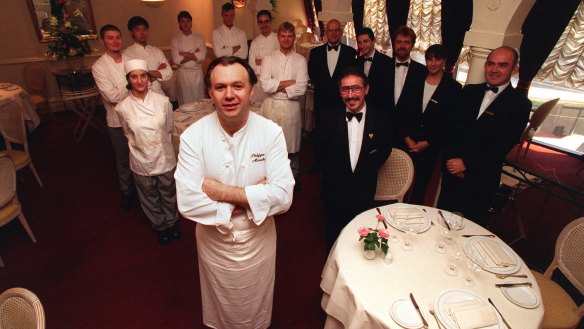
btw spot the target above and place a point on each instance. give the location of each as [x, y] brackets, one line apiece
[444, 219]
[418, 310]
[513, 284]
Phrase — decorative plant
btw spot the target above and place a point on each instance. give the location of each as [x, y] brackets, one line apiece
[67, 42]
[375, 238]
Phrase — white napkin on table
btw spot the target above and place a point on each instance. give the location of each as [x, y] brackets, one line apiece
[409, 215]
[471, 314]
[493, 254]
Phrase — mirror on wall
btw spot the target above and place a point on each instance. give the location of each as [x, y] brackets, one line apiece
[78, 12]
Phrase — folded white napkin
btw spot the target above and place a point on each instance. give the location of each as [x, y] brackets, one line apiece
[493, 254]
[409, 215]
[471, 314]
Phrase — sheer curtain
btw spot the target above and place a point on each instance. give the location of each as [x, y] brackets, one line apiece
[565, 64]
[375, 18]
[425, 18]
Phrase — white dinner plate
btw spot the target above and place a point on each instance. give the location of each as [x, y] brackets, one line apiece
[411, 210]
[523, 296]
[402, 311]
[453, 296]
[469, 245]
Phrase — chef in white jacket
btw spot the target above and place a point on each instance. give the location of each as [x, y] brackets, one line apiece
[232, 177]
[263, 45]
[284, 78]
[188, 50]
[228, 39]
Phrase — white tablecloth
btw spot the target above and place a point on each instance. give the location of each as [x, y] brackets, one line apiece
[13, 93]
[358, 293]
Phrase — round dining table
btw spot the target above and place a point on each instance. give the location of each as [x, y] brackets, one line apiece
[362, 293]
[10, 93]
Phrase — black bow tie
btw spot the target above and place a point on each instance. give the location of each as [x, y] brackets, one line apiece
[351, 115]
[493, 89]
[335, 48]
[368, 59]
[406, 64]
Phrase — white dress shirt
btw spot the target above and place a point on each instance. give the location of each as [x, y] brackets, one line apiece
[428, 92]
[206, 151]
[355, 131]
[148, 126]
[490, 97]
[400, 78]
[154, 57]
[224, 39]
[110, 79]
[367, 64]
[332, 58]
[261, 47]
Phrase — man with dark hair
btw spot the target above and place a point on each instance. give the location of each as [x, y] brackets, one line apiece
[229, 40]
[263, 45]
[354, 142]
[284, 78]
[377, 67]
[407, 75]
[232, 177]
[110, 78]
[189, 51]
[158, 66]
[325, 65]
[486, 123]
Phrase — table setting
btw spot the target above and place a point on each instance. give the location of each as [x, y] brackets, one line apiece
[10, 92]
[445, 271]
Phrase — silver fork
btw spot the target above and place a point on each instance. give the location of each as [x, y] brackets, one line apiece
[504, 276]
[431, 310]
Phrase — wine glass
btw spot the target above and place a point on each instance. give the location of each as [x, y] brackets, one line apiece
[411, 229]
[473, 267]
[451, 267]
[456, 221]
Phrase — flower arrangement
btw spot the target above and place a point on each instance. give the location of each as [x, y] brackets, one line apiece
[375, 238]
[67, 42]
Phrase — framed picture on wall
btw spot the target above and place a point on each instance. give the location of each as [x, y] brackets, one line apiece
[77, 12]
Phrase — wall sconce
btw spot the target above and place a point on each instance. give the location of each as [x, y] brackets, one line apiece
[239, 3]
[153, 3]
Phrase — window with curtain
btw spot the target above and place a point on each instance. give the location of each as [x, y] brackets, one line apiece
[425, 19]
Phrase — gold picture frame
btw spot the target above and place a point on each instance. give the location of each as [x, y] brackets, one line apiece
[79, 13]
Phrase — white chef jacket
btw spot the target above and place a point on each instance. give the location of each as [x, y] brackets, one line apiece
[110, 79]
[148, 126]
[278, 67]
[154, 57]
[224, 39]
[190, 73]
[261, 47]
[205, 152]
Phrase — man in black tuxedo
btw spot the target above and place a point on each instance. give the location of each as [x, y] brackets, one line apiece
[378, 67]
[408, 76]
[325, 65]
[487, 122]
[355, 140]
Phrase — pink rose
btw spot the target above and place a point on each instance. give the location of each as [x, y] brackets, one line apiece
[363, 231]
[383, 233]
[380, 218]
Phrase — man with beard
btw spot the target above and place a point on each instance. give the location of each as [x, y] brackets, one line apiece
[487, 121]
[354, 142]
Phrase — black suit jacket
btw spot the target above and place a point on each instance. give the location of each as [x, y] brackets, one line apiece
[326, 91]
[380, 86]
[354, 190]
[431, 125]
[483, 144]
[413, 84]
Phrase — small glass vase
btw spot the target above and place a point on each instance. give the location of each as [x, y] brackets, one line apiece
[369, 254]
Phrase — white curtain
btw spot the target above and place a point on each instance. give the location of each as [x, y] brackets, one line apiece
[565, 64]
[375, 18]
[425, 17]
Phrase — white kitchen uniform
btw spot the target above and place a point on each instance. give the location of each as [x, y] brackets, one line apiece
[261, 47]
[189, 74]
[154, 57]
[224, 39]
[236, 253]
[110, 79]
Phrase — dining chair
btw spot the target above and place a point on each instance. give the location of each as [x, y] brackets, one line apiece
[13, 130]
[560, 309]
[34, 76]
[537, 118]
[9, 205]
[21, 308]
[395, 177]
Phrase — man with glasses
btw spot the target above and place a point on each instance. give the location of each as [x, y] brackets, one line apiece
[325, 65]
[355, 140]
[263, 45]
